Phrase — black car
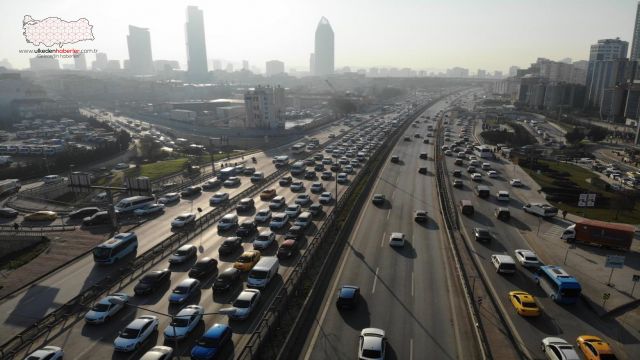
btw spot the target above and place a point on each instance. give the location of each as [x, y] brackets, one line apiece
[315, 209]
[152, 281]
[99, 218]
[8, 213]
[309, 162]
[457, 173]
[335, 167]
[378, 199]
[422, 170]
[212, 184]
[310, 175]
[230, 245]
[482, 234]
[246, 204]
[191, 191]
[226, 279]
[246, 228]
[318, 167]
[295, 232]
[348, 297]
[326, 175]
[285, 181]
[203, 267]
[83, 213]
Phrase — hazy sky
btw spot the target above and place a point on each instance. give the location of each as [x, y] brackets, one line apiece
[421, 34]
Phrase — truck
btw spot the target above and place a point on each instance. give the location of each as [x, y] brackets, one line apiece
[9, 186]
[611, 235]
[542, 210]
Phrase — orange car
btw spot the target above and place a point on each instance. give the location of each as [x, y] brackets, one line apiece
[268, 194]
[247, 260]
[524, 303]
[594, 348]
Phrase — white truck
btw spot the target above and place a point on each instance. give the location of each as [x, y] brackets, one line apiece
[542, 210]
[9, 186]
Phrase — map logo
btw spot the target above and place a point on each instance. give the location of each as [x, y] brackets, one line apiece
[55, 31]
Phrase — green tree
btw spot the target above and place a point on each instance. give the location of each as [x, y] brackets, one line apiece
[574, 136]
[149, 148]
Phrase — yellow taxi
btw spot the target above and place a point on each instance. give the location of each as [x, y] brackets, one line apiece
[41, 216]
[247, 260]
[524, 303]
[594, 348]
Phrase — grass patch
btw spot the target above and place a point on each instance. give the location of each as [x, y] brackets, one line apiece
[24, 256]
[157, 169]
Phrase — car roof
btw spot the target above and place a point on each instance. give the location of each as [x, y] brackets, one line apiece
[216, 331]
[186, 247]
[397, 234]
[139, 322]
[247, 295]
[187, 282]
[188, 311]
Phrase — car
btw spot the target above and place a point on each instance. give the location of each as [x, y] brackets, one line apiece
[262, 216]
[348, 297]
[246, 228]
[247, 260]
[278, 221]
[594, 348]
[76, 214]
[106, 308]
[203, 267]
[149, 210]
[227, 222]
[191, 191]
[295, 232]
[527, 258]
[396, 239]
[471, 169]
[297, 186]
[420, 216]
[183, 220]
[43, 215]
[348, 169]
[318, 167]
[277, 202]
[372, 344]
[226, 279]
[293, 210]
[183, 323]
[134, 334]
[267, 194]
[152, 281]
[245, 204]
[185, 289]
[310, 175]
[326, 175]
[99, 218]
[47, 353]
[423, 155]
[184, 253]
[558, 349]
[378, 199]
[243, 305]
[516, 183]
[326, 197]
[257, 177]
[335, 167]
[121, 166]
[303, 199]
[481, 234]
[502, 195]
[248, 171]
[285, 181]
[287, 248]
[169, 198]
[326, 161]
[231, 181]
[159, 352]
[457, 173]
[208, 346]
[524, 303]
[230, 245]
[264, 240]
[342, 178]
[218, 198]
[458, 162]
[315, 209]
[476, 177]
[457, 183]
[492, 173]
[211, 184]
[317, 187]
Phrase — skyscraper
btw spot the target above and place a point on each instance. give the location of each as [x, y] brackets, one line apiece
[196, 46]
[324, 49]
[139, 43]
[245, 65]
[80, 62]
[635, 43]
[604, 59]
[274, 67]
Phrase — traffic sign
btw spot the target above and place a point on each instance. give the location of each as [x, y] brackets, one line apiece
[614, 261]
[606, 296]
[591, 200]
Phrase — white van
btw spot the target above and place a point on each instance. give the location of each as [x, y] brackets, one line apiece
[504, 264]
[502, 195]
[486, 166]
[52, 179]
[132, 203]
[263, 272]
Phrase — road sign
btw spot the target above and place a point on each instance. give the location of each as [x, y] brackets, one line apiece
[635, 278]
[591, 200]
[582, 200]
[586, 200]
[614, 261]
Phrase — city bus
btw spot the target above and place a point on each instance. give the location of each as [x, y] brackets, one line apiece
[298, 148]
[226, 173]
[298, 168]
[115, 248]
[482, 151]
[559, 286]
[132, 203]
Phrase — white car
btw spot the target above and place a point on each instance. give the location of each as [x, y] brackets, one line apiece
[502, 195]
[278, 221]
[492, 173]
[372, 344]
[396, 239]
[139, 330]
[183, 219]
[293, 210]
[297, 186]
[169, 198]
[263, 215]
[244, 304]
[149, 209]
[104, 309]
[516, 183]
[558, 349]
[348, 169]
[184, 322]
[342, 178]
[264, 240]
[476, 177]
[303, 199]
[325, 197]
[47, 353]
[158, 353]
[527, 258]
[218, 198]
[232, 181]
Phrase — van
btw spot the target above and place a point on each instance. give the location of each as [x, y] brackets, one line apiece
[482, 191]
[486, 166]
[303, 220]
[263, 272]
[504, 264]
[52, 179]
[466, 207]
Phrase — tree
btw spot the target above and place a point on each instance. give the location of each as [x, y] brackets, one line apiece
[149, 148]
[597, 133]
[574, 136]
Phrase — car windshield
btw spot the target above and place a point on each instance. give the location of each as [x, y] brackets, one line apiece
[149, 279]
[181, 218]
[129, 333]
[208, 342]
[244, 259]
[181, 290]
[528, 304]
[180, 322]
[374, 354]
[241, 303]
[99, 307]
[101, 253]
[256, 274]
[531, 258]
[181, 252]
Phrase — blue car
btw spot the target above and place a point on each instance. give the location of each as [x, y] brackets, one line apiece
[211, 342]
[184, 291]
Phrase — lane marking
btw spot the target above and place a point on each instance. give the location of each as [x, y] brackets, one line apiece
[388, 213]
[411, 349]
[412, 283]
[384, 235]
[375, 280]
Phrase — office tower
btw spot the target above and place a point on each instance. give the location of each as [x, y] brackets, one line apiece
[264, 107]
[604, 67]
[217, 64]
[513, 70]
[312, 63]
[229, 67]
[324, 48]
[80, 62]
[245, 65]
[482, 73]
[101, 62]
[139, 44]
[274, 67]
[635, 43]
[196, 47]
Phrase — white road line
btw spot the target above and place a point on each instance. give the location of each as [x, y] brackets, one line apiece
[411, 349]
[388, 213]
[375, 280]
[384, 235]
[412, 283]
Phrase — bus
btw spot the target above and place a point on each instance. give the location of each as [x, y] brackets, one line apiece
[559, 286]
[281, 160]
[226, 173]
[115, 248]
[298, 168]
[132, 203]
[298, 148]
[482, 151]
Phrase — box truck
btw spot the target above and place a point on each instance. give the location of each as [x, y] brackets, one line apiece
[612, 235]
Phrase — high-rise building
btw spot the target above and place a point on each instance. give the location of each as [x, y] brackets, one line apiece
[513, 70]
[635, 43]
[43, 63]
[274, 67]
[324, 49]
[139, 44]
[196, 47]
[101, 62]
[217, 64]
[312, 63]
[601, 71]
[80, 62]
[264, 107]
[229, 67]
[482, 73]
[245, 65]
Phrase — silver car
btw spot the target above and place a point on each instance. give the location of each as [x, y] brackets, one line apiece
[104, 309]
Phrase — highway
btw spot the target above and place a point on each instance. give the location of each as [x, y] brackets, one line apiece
[80, 341]
[412, 293]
